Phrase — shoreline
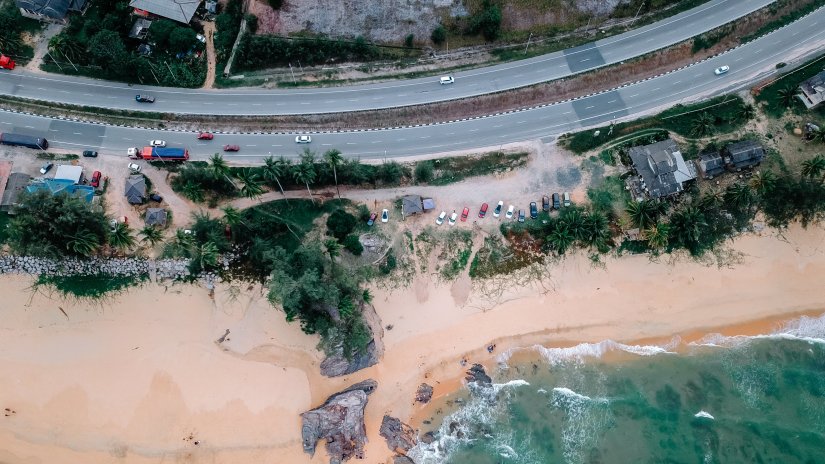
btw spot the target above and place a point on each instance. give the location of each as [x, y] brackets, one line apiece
[132, 381]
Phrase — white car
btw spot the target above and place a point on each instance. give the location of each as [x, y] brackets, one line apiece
[134, 167]
[452, 219]
[497, 211]
[446, 80]
[721, 70]
[385, 215]
[303, 139]
[157, 143]
[510, 210]
[440, 219]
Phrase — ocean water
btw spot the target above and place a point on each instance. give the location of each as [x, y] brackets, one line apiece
[720, 400]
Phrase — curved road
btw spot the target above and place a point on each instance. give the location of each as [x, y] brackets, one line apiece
[103, 94]
[756, 58]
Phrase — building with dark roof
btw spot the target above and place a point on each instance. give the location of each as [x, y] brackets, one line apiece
[710, 164]
[662, 169]
[812, 91]
[55, 11]
[744, 154]
[15, 184]
[181, 11]
[135, 189]
[155, 217]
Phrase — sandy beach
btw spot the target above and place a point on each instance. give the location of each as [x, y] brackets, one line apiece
[141, 378]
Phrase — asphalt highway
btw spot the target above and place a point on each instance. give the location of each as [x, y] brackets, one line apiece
[757, 58]
[104, 94]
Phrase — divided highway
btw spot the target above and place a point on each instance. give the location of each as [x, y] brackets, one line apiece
[746, 62]
[103, 94]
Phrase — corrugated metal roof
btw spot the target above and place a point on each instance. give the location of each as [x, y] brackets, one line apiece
[178, 10]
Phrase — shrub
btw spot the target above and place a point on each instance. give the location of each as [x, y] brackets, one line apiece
[276, 4]
[340, 223]
[424, 171]
[388, 265]
[408, 41]
[353, 245]
[391, 172]
[487, 22]
[439, 35]
[251, 23]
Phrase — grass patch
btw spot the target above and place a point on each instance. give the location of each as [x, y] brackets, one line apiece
[769, 97]
[273, 220]
[455, 254]
[609, 197]
[56, 156]
[456, 169]
[89, 287]
[496, 258]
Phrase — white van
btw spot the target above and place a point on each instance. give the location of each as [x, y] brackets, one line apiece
[447, 80]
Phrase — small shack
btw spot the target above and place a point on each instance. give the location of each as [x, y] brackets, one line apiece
[744, 154]
[135, 189]
[69, 172]
[414, 204]
[155, 217]
[710, 164]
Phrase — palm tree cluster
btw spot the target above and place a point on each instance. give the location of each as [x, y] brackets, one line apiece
[588, 229]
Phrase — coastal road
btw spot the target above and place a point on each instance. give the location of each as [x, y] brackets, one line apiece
[757, 58]
[394, 93]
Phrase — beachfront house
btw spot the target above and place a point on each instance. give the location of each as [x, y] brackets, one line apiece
[744, 154]
[812, 91]
[661, 170]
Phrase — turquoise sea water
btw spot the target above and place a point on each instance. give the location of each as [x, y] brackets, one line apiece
[721, 400]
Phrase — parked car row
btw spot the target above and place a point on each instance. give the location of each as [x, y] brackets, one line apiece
[546, 205]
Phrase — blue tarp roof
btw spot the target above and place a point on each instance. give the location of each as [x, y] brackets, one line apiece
[55, 186]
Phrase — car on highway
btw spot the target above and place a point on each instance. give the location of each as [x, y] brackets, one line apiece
[483, 211]
[545, 203]
[89, 154]
[721, 70]
[440, 219]
[534, 210]
[231, 147]
[556, 201]
[385, 215]
[452, 219]
[303, 139]
[509, 214]
[446, 80]
[565, 198]
[46, 168]
[205, 136]
[135, 168]
[144, 98]
[521, 215]
[464, 213]
[371, 220]
[95, 182]
[157, 143]
[497, 211]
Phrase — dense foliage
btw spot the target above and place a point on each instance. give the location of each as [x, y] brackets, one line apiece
[266, 51]
[12, 24]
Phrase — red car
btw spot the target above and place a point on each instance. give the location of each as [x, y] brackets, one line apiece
[464, 214]
[205, 136]
[483, 211]
[95, 179]
[231, 148]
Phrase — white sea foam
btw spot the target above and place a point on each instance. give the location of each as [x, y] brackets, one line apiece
[704, 414]
[506, 451]
[807, 329]
[570, 393]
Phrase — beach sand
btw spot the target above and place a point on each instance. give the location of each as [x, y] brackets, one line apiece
[141, 378]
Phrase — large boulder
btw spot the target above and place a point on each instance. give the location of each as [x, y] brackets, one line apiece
[400, 436]
[337, 364]
[424, 393]
[340, 421]
[478, 375]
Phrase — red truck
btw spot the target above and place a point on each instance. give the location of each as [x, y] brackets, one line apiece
[160, 154]
[6, 62]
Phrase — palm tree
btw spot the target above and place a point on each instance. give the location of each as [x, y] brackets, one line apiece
[275, 169]
[121, 237]
[711, 199]
[786, 96]
[84, 242]
[151, 235]
[763, 182]
[193, 191]
[206, 255]
[560, 238]
[814, 167]
[746, 112]
[739, 196]
[334, 159]
[232, 216]
[252, 186]
[574, 221]
[596, 231]
[704, 125]
[645, 212]
[218, 166]
[657, 235]
[305, 171]
[333, 247]
[818, 135]
[688, 224]
[65, 46]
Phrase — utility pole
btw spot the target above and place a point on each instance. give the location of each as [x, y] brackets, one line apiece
[637, 13]
[528, 43]
[293, 73]
[300, 67]
[170, 71]
[152, 70]
[54, 61]
[70, 61]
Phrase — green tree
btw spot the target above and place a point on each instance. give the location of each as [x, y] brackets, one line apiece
[206, 256]
[160, 31]
[814, 167]
[818, 135]
[233, 217]
[353, 245]
[193, 191]
[391, 172]
[643, 213]
[334, 159]
[304, 172]
[181, 40]
[739, 196]
[252, 185]
[703, 125]
[746, 112]
[596, 231]
[121, 238]
[218, 166]
[424, 171]
[657, 235]
[63, 46]
[340, 223]
[274, 169]
[687, 225]
[439, 35]
[106, 50]
[487, 22]
[83, 242]
[151, 235]
[762, 182]
[786, 96]
[560, 238]
[333, 247]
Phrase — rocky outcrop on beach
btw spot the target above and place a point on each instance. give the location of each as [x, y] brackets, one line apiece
[424, 393]
[402, 460]
[160, 269]
[337, 364]
[476, 374]
[400, 436]
[339, 421]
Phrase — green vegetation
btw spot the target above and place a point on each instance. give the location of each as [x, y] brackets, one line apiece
[89, 287]
[267, 51]
[780, 95]
[487, 22]
[56, 156]
[608, 197]
[457, 247]
[340, 223]
[5, 218]
[228, 25]
[496, 258]
[12, 25]
[715, 116]
[784, 20]
[709, 39]
[443, 171]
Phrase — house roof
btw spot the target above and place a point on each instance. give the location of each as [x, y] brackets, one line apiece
[17, 181]
[135, 189]
[178, 10]
[411, 204]
[745, 153]
[711, 164]
[155, 216]
[69, 172]
[56, 186]
[55, 9]
[662, 167]
[428, 204]
[813, 90]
